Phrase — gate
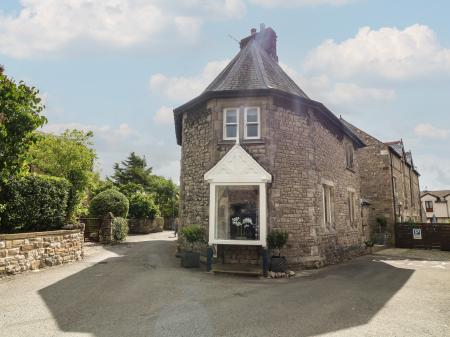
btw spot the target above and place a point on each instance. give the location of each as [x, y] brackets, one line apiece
[92, 228]
[422, 235]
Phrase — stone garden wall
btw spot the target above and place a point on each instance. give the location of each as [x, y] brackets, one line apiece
[31, 251]
[145, 226]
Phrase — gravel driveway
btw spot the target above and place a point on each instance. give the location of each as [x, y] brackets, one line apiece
[138, 289]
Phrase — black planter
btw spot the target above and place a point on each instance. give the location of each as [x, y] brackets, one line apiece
[190, 260]
[278, 264]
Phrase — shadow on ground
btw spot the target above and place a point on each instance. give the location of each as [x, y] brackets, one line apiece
[144, 292]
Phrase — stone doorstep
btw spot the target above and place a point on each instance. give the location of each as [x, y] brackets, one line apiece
[237, 269]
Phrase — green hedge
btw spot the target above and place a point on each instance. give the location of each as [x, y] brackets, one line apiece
[34, 203]
[120, 229]
[109, 201]
[143, 206]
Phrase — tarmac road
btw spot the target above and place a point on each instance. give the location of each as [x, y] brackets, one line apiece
[138, 289]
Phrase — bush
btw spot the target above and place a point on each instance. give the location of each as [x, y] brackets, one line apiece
[35, 203]
[277, 239]
[143, 206]
[120, 229]
[109, 201]
[192, 233]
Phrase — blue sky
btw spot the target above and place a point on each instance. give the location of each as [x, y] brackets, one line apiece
[118, 67]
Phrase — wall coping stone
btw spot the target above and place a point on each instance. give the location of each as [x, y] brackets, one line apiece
[29, 235]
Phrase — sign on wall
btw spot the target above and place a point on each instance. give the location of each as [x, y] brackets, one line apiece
[417, 233]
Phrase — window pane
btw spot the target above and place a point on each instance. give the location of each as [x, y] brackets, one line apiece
[252, 130]
[231, 131]
[252, 116]
[237, 212]
[231, 116]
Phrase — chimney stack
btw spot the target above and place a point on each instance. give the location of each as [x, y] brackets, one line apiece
[266, 38]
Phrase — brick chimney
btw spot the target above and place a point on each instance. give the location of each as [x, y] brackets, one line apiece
[266, 38]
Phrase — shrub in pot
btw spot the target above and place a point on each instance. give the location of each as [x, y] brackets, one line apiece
[192, 234]
[276, 240]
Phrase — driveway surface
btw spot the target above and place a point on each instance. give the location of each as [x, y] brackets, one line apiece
[138, 289]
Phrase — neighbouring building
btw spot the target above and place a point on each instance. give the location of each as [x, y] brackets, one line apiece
[259, 154]
[389, 182]
[436, 204]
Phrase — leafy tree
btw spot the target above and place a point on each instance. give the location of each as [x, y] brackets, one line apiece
[167, 196]
[133, 170]
[134, 176]
[143, 206]
[69, 156]
[109, 201]
[20, 116]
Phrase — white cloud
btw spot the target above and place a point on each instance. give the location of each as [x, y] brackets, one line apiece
[300, 3]
[388, 53]
[163, 116]
[433, 170]
[49, 26]
[182, 88]
[324, 89]
[426, 130]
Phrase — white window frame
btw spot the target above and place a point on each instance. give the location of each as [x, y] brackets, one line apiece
[262, 216]
[225, 124]
[258, 111]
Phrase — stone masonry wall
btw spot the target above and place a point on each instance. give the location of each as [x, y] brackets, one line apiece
[30, 251]
[298, 151]
[196, 155]
[376, 182]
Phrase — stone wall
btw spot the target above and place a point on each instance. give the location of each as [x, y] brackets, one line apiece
[145, 226]
[31, 251]
[378, 164]
[299, 152]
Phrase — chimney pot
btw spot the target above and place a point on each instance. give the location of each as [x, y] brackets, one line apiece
[262, 27]
[253, 31]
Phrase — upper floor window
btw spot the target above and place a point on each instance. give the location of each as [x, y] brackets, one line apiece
[252, 123]
[230, 123]
[429, 206]
[349, 156]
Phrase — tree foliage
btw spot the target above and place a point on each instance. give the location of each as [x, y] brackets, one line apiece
[132, 170]
[142, 205]
[20, 116]
[35, 203]
[134, 176]
[109, 201]
[70, 156]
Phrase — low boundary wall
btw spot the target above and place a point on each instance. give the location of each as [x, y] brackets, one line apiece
[35, 250]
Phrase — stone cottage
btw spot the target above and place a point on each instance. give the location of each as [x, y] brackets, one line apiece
[389, 183]
[259, 154]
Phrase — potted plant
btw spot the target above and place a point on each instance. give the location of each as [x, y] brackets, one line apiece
[192, 234]
[276, 240]
[369, 245]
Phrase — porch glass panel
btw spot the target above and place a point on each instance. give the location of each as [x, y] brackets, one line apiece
[237, 212]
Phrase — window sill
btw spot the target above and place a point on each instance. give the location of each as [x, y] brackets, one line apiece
[351, 169]
[241, 141]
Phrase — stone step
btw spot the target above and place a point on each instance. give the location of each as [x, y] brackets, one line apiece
[237, 269]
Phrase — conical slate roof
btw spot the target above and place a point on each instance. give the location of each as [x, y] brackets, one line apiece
[253, 69]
